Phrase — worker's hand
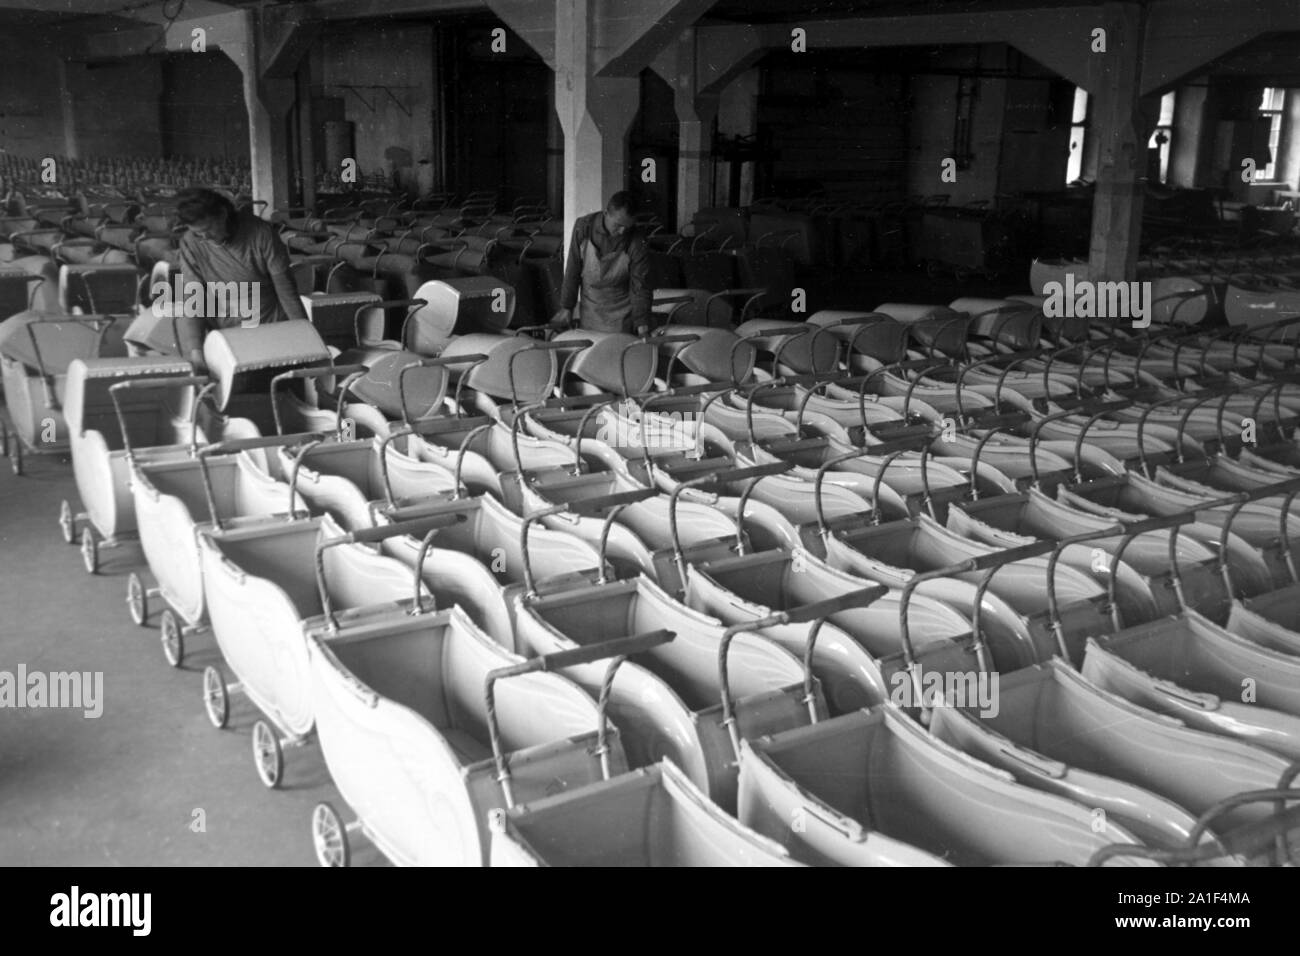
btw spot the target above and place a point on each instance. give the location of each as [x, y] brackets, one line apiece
[642, 331]
[562, 319]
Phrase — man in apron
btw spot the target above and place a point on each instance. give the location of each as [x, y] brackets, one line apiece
[606, 276]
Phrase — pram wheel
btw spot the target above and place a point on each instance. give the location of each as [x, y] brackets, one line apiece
[89, 551]
[215, 700]
[330, 837]
[16, 459]
[267, 754]
[137, 601]
[67, 523]
[173, 639]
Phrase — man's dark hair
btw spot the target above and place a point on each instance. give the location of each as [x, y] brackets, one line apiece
[196, 204]
[624, 200]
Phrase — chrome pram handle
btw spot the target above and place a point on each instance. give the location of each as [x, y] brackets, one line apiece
[815, 614]
[618, 648]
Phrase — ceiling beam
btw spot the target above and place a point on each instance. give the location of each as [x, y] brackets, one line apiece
[150, 11]
[287, 35]
[179, 37]
[1183, 36]
[631, 33]
[370, 9]
[1058, 37]
[724, 52]
[533, 22]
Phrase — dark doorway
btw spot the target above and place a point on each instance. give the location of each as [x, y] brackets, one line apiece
[497, 113]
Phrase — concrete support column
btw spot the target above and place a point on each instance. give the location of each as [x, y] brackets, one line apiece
[69, 105]
[595, 113]
[695, 155]
[1121, 147]
[1190, 126]
[738, 117]
[696, 114]
[306, 125]
[1289, 161]
[268, 135]
[268, 101]
[554, 155]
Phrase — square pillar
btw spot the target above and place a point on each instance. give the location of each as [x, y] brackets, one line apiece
[1121, 147]
[268, 105]
[595, 114]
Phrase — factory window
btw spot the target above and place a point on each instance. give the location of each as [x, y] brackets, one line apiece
[1163, 135]
[1078, 130]
[1271, 105]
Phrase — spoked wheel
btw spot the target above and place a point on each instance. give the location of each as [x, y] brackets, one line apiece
[137, 599]
[89, 550]
[330, 837]
[267, 754]
[67, 523]
[173, 639]
[215, 699]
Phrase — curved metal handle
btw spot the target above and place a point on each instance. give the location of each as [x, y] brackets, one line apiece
[1075, 408]
[820, 479]
[613, 505]
[996, 425]
[617, 647]
[752, 475]
[373, 536]
[576, 345]
[240, 444]
[814, 613]
[473, 359]
[157, 382]
[319, 371]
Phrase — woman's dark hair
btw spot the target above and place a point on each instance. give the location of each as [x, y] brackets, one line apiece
[624, 200]
[195, 205]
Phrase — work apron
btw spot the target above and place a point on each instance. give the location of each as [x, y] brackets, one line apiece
[605, 304]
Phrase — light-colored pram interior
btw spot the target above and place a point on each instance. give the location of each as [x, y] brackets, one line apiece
[439, 673]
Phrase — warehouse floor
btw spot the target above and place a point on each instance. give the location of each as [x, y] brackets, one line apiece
[150, 781]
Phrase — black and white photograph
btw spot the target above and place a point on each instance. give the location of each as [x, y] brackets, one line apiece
[652, 433]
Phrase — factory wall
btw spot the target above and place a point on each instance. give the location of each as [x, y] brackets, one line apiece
[117, 106]
[881, 133]
[836, 129]
[933, 116]
[31, 113]
[203, 110]
[391, 102]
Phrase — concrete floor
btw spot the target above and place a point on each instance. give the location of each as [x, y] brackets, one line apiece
[123, 789]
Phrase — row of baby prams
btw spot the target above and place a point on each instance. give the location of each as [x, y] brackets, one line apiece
[885, 616]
